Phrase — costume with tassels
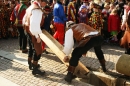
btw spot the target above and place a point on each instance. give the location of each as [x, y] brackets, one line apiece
[71, 12]
[16, 17]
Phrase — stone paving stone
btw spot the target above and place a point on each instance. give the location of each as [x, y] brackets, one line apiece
[109, 65]
[55, 69]
[96, 65]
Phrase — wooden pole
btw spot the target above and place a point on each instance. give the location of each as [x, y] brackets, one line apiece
[56, 47]
[94, 78]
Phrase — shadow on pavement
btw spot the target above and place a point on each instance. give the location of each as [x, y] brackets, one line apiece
[6, 64]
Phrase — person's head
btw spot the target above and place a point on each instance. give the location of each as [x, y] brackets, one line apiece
[43, 3]
[83, 8]
[114, 11]
[47, 9]
[32, 1]
[12, 4]
[6, 2]
[106, 6]
[112, 6]
[61, 1]
[129, 4]
[96, 7]
[1, 2]
[91, 5]
[54, 2]
[16, 2]
[69, 24]
[24, 1]
[127, 1]
[85, 2]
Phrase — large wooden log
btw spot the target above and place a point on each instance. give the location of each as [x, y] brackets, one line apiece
[123, 65]
[56, 47]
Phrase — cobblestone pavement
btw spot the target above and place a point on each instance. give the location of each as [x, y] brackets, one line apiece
[55, 69]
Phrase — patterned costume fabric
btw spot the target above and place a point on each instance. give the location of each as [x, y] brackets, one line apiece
[3, 22]
[71, 12]
[16, 17]
[83, 17]
[96, 21]
[83, 14]
[18, 14]
[13, 31]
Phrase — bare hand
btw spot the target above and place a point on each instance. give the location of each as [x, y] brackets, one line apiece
[38, 40]
[66, 59]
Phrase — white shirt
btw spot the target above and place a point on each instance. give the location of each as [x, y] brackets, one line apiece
[125, 16]
[35, 21]
[69, 42]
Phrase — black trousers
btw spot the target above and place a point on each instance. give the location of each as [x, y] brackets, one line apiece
[22, 38]
[95, 42]
[31, 51]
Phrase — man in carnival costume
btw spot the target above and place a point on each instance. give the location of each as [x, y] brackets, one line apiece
[125, 42]
[32, 21]
[87, 38]
[16, 18]
[71, 11]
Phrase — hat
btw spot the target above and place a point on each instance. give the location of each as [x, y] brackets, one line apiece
[23, 0]
[83, 6]
[96, 6]
[69, 23]
[47, 8]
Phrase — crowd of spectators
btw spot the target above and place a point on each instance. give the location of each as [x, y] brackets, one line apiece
[103, 15]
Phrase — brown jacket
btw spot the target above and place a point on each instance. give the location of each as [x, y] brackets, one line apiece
[80, 33]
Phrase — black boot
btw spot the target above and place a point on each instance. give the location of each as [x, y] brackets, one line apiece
[30, 65]
[102, 62]
[70, 75]
[37, 71]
